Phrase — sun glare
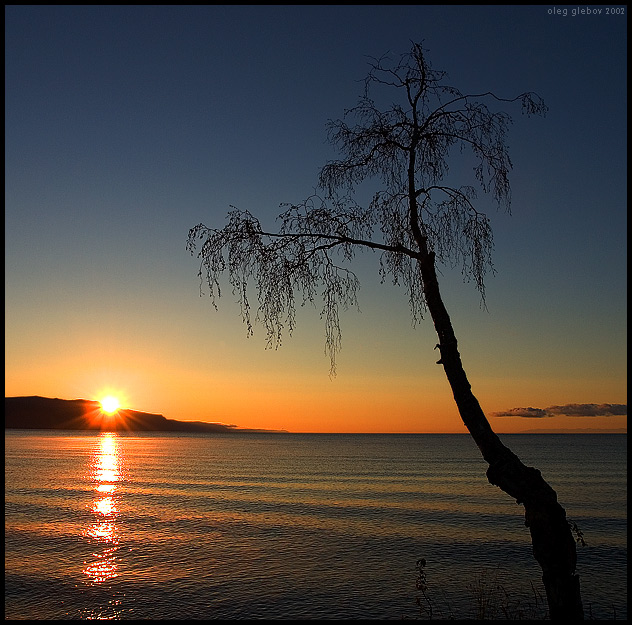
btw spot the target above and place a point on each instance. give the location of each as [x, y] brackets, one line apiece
[110, 404]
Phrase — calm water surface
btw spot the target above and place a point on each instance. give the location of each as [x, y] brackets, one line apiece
[188, 526]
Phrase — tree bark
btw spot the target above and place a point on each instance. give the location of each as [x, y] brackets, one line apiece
[553, 544]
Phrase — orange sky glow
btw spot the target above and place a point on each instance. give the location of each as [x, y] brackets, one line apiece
[284, 398]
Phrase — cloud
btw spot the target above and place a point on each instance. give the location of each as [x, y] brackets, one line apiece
[589, 410]
[568, 410]
[536, 413]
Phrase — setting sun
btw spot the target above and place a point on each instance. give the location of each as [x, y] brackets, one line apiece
[110, 404]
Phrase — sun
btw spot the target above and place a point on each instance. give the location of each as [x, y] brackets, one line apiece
[110, 404]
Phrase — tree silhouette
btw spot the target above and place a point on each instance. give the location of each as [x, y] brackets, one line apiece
[420, 221]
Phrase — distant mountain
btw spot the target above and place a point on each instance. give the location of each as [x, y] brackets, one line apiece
[44, 413]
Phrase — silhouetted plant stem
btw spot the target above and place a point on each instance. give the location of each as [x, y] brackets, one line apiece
[553, 544]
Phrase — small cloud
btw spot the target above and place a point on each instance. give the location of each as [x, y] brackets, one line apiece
[589, 410]
[533, 413]
[568, 410]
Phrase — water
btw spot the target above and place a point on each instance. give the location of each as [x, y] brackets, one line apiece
[191, 526]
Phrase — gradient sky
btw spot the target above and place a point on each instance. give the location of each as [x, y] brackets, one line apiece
[128, 125]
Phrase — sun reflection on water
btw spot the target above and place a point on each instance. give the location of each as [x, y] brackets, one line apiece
[105, 472]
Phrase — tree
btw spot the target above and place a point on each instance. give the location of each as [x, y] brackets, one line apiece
[421, 221]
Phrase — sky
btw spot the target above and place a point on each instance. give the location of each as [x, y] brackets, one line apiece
[126, 126]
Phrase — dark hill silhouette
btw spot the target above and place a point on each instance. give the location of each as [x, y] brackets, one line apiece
[36, 413]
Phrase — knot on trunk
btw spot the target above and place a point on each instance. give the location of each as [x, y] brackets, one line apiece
[447, 348]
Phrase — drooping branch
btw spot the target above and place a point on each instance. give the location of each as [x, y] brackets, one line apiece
[296, 258]
[437, 117]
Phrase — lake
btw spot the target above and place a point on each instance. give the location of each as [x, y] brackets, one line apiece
[295, 526]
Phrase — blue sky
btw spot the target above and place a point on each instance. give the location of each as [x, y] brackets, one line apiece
[126, 126]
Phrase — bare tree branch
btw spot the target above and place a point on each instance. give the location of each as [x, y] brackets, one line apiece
[414, 214]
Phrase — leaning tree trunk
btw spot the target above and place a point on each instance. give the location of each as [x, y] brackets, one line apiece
[553, 543]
